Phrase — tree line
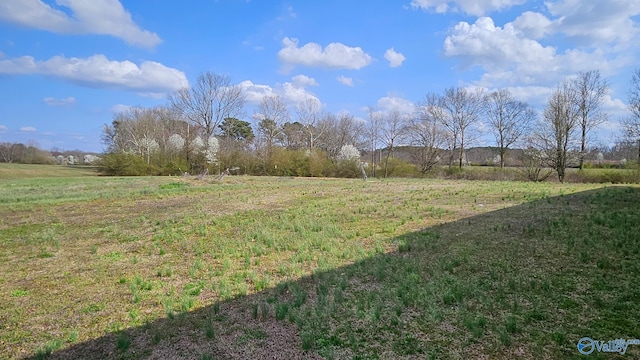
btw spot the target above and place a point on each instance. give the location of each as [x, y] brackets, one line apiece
[24, 154]
[31, 153]
[200, 130]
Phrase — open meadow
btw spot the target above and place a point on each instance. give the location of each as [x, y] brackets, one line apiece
[250, 267]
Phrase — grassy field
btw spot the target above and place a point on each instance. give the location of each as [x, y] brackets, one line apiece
[250, 267]
[23, 171]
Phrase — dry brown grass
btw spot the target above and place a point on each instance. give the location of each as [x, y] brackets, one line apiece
[74, 268]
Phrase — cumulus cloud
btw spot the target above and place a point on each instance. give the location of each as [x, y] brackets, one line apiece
[393, 103]
[334, 55]
[533, 25]
[27, 129]
[51, 101]
[471, 7]
[293, 93]
[536, 96]
[345, 80]
[255, 92]
[304, 80]
[485, 44]
[539, 49]
[104, 17]
[615, 108]
[99, 72]
[510, 58]
[597, 21]
[395, 58]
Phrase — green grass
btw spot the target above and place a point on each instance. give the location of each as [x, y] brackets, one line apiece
[343, 268]
[23, 171]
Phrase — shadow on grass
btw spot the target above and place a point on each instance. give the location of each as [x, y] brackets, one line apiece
[527, 281]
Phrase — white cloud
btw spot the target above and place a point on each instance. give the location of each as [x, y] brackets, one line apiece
[255, 92]
[392, 103]
[535, 96]
[99, 72]
[104, 17]
[291, 93]
[615, 108]
[395, 58]
[3, 128]
[540, 50]
[509, 58]
[27, 129]
[51, 101]
[482, 43]
[304, 80]
[334, 55]
[532, 24]
[295, 95]
[120, 108]
[596, 20]
[345, 80]
[471, 7]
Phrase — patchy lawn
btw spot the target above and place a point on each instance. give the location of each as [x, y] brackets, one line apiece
[314, 268]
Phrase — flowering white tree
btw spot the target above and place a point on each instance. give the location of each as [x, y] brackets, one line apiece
[148, 146]
[176, 142]
[349, 152]
[198, 144]
[211, 151]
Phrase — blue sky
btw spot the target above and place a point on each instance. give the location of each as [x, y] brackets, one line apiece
[67, 65]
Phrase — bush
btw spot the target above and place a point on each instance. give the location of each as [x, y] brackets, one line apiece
[320, 165]
[288, 163]
[174, 167]
[400, 168]
[605, 176]
[123, 164]
[348, 168]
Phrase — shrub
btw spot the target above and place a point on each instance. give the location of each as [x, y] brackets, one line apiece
[123, 164]
[400, 168]
[605, 176]
[348, 168]
[319, 164]
[286, 162]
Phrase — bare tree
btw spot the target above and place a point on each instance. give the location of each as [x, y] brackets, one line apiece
[338, 132]
[590, 89]
[309, 113]
[557, 131]
[534, 160]
[211, 100]
[631, 125]
[273, 113]
[393, 131]
[373, 135]
[134, 131]
[8, 152]
[129, 128]
[206, 104]
[462, 109]
[427, 133]
[509, 120]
